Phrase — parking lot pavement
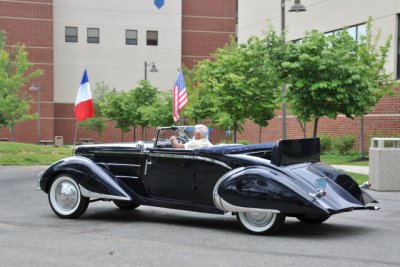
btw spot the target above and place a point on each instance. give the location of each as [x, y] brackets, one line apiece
[31, 235]
[355, 169]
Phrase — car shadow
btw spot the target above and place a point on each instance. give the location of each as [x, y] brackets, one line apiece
[292, 228]
[164, 216]
[331, 230]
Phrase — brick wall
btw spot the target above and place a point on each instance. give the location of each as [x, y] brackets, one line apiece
[384, 120]
[206, 26]
[31, 23]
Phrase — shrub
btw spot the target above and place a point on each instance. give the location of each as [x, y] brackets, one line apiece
[326, 143]
[344, 144]
[243, 142]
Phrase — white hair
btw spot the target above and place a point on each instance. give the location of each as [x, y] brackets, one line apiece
[202, 130]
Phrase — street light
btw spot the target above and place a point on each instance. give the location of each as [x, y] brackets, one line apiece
[297, 7]
[35, 87]
[153, 69]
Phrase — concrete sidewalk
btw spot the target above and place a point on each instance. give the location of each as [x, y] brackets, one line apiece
[355, 169]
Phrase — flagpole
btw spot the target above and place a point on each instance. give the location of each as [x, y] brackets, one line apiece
[76, 131]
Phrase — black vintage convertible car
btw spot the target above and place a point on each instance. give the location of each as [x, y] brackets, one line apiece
[260, 183]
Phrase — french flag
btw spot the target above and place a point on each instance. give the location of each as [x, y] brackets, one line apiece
[83, 104]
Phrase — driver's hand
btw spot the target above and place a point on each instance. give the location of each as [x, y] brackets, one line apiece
[172, 138]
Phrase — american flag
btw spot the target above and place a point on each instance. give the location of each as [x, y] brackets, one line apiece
[180, 99]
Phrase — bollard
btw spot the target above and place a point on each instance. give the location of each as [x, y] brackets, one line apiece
[384, 164]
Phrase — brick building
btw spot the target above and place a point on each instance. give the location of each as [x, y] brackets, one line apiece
[113, 40]
[329, 16]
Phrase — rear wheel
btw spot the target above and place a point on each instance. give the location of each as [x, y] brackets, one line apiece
[261, 222]
[65, 198]
[126, 205]
[312, 220]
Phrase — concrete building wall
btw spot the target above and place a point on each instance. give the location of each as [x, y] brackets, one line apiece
[255, 16]
[112, 61]
[187, 32]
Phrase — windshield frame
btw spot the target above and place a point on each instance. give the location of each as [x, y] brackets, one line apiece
[185, 128]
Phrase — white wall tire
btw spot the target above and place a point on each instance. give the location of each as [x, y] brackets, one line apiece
[65, 198]
[266, 223]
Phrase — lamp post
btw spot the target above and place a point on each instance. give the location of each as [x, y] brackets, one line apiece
[153, 69]
[297, 7]
[35, 87]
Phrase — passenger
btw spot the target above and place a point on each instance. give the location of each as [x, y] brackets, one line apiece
[200, 139]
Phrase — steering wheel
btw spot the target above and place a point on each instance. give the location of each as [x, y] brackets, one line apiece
[182, 137]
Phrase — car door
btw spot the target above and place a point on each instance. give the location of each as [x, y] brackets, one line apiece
[208, 171]
[169, 175]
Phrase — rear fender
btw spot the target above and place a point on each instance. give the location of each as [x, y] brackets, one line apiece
[94, 181]
[345, 181]
[259, 188]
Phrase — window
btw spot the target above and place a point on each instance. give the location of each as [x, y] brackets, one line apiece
[352, 31]
[93, 35]
[131, 37]
[71, 34]
[152, 37]
[361, 31]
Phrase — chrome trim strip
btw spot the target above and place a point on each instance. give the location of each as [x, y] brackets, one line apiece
[216, 197]
[118, 152]
[213, 161]
[120, 164]
[87, 155]
[145, 166]
[39, 176]
[232, 208]
[126, 177]
[90, 194]
[167, 155]
[223, 205]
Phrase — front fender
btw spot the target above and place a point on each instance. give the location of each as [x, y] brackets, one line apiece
[94, 181]
[258, 188]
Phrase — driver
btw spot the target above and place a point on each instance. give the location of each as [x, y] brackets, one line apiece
[200, 139]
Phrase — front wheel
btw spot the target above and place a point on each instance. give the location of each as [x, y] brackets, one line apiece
[65, 198]
[261, 222]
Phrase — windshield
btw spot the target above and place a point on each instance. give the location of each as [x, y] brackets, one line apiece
[166, 133]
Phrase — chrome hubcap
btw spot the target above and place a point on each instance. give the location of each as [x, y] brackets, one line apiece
[259, 219]
[66, 195]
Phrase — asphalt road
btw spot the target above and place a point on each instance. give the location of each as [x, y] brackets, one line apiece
[31, 235]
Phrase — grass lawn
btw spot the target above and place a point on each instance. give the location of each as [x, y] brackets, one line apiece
[27, 154]
[360, 178]
[352, 159]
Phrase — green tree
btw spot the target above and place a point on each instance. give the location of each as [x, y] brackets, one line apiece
[374, 57]
[141, 96]
[262, 77]
[118, 107]
[240, 84]
[201, 102]
[328, 75]
[159, 112]
[98, 123]
[15, 73]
